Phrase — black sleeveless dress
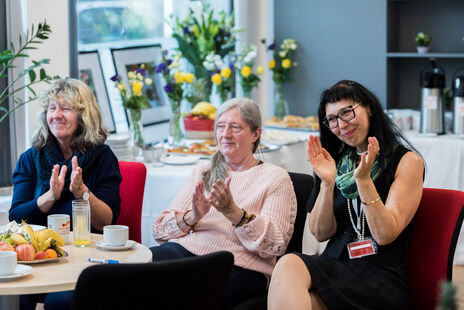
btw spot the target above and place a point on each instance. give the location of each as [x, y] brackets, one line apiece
[378, 281]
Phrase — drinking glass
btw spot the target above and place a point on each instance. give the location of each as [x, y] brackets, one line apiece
[81, 222]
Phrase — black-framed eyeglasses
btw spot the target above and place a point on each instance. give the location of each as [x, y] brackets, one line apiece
[345, 114]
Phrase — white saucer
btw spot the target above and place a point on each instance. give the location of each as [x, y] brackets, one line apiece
[20, 271]
[129, 244]
[179, 160]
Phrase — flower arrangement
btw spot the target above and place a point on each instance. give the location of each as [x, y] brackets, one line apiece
[245, 64]
[222, 75]
[422, 39]
[177, 88]
[134, 100]
[281, 65]
[200, 35]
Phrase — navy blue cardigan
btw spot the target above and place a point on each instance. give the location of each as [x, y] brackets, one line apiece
[102, 177]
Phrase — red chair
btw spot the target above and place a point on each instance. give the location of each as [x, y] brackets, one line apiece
[131, 191]
[433, 241]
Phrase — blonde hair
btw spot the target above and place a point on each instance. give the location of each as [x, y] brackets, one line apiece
[90, 130]
[250, 113]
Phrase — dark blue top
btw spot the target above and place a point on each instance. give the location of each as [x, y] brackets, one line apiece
[101, 176]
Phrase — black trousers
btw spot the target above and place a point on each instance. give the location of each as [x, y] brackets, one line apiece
[242, 283]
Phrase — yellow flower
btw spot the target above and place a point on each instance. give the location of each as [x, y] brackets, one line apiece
[131, 75]
[148, 81]
[246, 71]
[225, 73]
[196, 31]
[139, 77]
[216, 79]
[189, 77]
[286, 63]
[121, 87]
[260, 70]
[272, 64]
[137, 89]
[179, 77]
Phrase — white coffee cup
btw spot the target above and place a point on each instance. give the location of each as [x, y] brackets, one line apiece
[115, 235]
[8, 262]
[60, 223]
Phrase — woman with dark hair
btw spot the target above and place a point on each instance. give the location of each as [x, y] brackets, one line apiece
[367, 190]
[235, 203]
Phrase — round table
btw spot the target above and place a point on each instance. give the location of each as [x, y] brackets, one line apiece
[62, 275]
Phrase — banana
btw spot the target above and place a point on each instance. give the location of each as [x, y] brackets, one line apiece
[29, 235]
[58, 250]
[45, 234]
[46, 244]
[18, 239]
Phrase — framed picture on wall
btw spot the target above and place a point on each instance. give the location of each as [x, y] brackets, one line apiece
[90, 72]
[130, 59]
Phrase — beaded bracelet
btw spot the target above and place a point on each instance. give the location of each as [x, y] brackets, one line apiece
[183, 218]
[371, 202]
[242, 221]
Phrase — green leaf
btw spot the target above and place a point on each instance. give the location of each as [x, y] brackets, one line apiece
[43, 74]
[31, 90]
[32, 76]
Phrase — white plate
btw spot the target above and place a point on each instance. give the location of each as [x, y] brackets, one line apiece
[179, 160]
[20, 271]
[48, 260]
[129, 244]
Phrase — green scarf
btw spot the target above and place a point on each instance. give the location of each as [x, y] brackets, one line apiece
[345, 171]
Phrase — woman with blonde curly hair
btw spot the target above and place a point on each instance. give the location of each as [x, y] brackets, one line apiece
[68, 160]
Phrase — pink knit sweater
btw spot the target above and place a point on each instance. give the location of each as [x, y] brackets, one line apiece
[264, 190]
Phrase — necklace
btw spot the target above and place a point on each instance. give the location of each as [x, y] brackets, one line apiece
[360, 153]
[362, 217]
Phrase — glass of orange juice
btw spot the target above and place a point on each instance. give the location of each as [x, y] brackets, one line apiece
[81, 222]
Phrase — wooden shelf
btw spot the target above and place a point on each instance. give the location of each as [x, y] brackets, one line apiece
[426, 55]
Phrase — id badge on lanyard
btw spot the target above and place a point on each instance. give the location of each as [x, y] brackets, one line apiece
[362, 248]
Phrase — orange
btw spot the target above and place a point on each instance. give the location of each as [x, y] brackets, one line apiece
[51, 253]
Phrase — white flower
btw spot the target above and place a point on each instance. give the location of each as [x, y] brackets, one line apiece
[282, 54]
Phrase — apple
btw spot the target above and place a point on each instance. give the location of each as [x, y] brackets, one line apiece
[25, 252]
[5, 246]
[41, 255]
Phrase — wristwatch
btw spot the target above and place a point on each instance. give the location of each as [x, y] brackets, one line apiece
[86, 194]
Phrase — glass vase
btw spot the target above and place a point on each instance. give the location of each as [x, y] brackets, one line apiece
[175, 130]
[281, 108]
[136, 128]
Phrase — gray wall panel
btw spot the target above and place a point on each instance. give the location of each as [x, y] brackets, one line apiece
[338, 39]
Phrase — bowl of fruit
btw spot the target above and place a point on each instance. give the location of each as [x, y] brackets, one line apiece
[33, 246]
[199, 122]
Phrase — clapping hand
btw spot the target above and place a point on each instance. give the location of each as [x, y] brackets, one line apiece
[221, 197]
[57, 181]
[367, 160]
[200, 204]
[321, 161]
[77, 186]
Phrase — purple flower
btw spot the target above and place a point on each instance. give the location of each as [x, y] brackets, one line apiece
[186, 30]
[231, 66]
[115, 78]
[160, 67]
[169, 62]
[141, 71]
[272, 46]
[165, 52]
[168, 88]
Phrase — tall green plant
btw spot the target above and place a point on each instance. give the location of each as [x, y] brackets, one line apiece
[35, 71]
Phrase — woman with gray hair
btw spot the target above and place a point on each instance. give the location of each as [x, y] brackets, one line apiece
[68, 160]
[235, 203]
